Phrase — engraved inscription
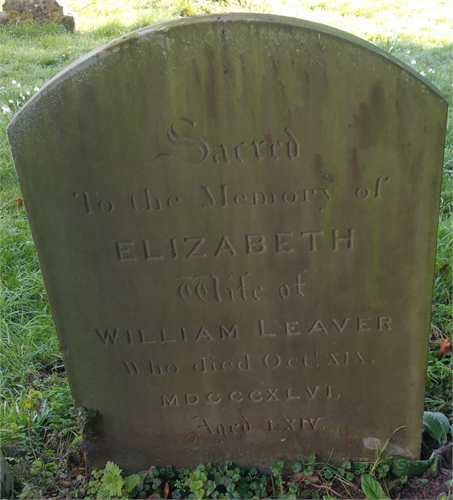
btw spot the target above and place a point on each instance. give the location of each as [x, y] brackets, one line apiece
[188, 148]
[243, 363]
[219, 430]
[223, 196]
[255, 396]
[107, 335]
[110, 336]
[91, 202]
[132, 368]
[362, 192]
[196, 149]
[136, 368]
[295, 289]
[347, 241]
[210, 288]
[295, 424]
[209, 365]
[315, 359]
[290, 329]
[145, 202]
[155, 369]
[202, 286]
[332, 325]
[200, 247]
[206, 428]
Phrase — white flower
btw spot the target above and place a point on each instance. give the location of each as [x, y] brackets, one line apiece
[422, 73]
[28, 92]
[413, 61]
[18, 85]
[11, 101]
[14, 82]
[36, 89]
[408, 52]
[431, 70]
[6, 110]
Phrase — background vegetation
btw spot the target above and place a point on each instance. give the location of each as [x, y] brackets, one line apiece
[40, 429]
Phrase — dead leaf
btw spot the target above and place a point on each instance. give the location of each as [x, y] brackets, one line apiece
[445, 347]
[444, 454]
[65, 483]
[19, 202]
[300, 477]
[85, 460]
[78, 471]
[156, 495]
[442, 268]
[166, 490]
[145, 475]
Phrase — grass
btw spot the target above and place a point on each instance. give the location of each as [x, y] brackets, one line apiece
[35, 402]
[386, 20]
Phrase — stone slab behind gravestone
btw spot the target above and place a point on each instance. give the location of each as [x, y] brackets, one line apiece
[236, 221]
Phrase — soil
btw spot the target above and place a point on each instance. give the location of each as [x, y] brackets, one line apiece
[433, 489]
[416, 488]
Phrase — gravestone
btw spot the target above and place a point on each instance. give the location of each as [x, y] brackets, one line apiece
[235, 217]
[42, 11]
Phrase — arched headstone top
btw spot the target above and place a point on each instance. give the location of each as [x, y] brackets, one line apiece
[286, 30]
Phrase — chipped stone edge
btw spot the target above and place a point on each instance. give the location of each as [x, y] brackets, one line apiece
[372, 443]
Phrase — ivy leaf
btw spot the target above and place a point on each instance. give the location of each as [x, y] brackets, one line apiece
[276, 467]
[410, 468]
[372, 489]
[297, 467]
[436, 425]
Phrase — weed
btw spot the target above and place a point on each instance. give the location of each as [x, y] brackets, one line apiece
[371, 487]
[108, 483]
[276, 478]
[205, 481]
[436, 425]
[310, 479]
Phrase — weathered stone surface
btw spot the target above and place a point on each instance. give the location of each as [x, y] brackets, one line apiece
[236, 220]
[15, 11]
